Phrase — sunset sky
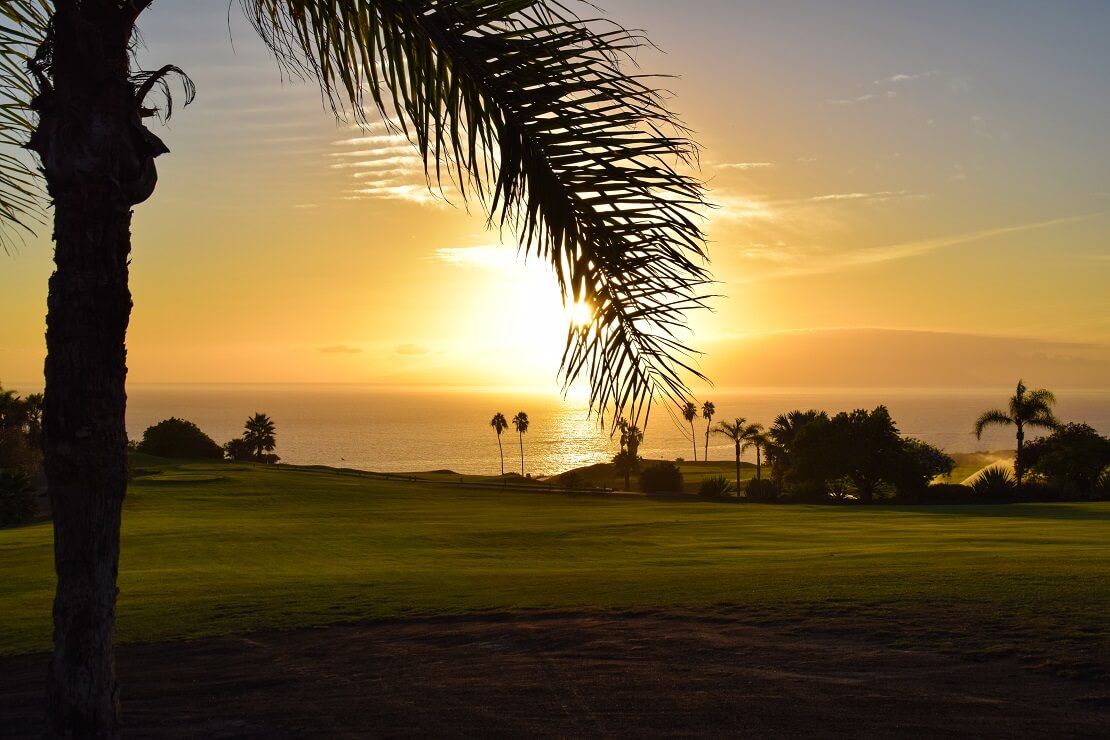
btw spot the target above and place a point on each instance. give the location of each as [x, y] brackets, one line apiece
[909, 193]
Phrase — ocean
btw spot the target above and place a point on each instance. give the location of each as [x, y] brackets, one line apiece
[414, 429]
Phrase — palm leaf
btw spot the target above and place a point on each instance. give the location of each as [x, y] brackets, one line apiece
[528, 108]
[987, 418]
[22, 27]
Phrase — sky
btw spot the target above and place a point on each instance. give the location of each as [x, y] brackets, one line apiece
[908, 194]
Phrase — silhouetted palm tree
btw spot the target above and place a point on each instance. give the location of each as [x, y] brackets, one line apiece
[260, 434]
[631, 436]
[526, 102]
[759, 441]
[1027, 409]
[743, 436]
[520, 423]
[689, 413]
[707, 411]
[781, 436]
[499, 425]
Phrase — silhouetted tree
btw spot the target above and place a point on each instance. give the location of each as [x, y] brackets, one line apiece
[1027, 409]
[239, 450]
[707, 411]
[520, 423]
[922, 463]
[1072, 458]
[689, 413]
[260, 434]
[499, 425]
[631, 438]
[862, 447]
[743, 436]
[175, 437]
[781, 437]
[527, 102]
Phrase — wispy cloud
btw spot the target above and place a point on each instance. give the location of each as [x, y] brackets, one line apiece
[384, 166]
[743, 165]
[895, 79]
[882, 195]
[340, 349]
[486, 255]
[809, 260]
[412, 350]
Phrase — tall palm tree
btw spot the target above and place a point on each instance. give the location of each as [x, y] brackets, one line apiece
[528, 105]
[707, 411]
[759, 441]
[743, 436]
[260, 434]
[631, 439]
[499, 425]
[689, 413]
[520, 423]
[1027, 409]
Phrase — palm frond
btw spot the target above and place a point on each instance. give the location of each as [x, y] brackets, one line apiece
[529, 108]
[987, 418]
[22, 27]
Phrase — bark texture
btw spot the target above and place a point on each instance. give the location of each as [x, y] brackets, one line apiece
[98, 162]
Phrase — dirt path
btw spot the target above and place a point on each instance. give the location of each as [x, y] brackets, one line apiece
[571, 676]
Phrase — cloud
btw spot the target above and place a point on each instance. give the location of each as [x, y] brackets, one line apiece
[895, 79]
[735, 208]
[306, 206]
[882, 195]
[743, 165]
[795, 261]
[486, 255]
[340, 349]
[385, 166]
[411, 350]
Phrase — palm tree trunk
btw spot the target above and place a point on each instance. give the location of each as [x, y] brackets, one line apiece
[521, 434]
[694, 439]
[502, 451]
[97, 165]
[706, 456]
[1019, 464]
[737, 468]
[758, 465]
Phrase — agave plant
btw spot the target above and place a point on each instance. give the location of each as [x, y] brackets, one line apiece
[994, 482]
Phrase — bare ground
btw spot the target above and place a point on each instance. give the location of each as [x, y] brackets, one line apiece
[572, 676]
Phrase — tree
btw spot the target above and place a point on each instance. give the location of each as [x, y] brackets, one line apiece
[1072, 458]
[239, 450]
[499, 425]
[520, 423]
[631, 438]
[661, 477]
[707, 411]
[743, 436]
[862, 447]
[1027, 409]
[259, 433]
[175, 437]
[922, 463]
[689, 413]
[528, 104]
[782, 436]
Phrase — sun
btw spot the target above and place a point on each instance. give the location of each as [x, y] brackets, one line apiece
[581, 314]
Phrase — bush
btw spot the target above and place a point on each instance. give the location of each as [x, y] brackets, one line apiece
[239, 449]
[762, 491]
[17, 498]
[715, 486]
[18, 453]
[995, 482]
[175, 437]
[661, 477]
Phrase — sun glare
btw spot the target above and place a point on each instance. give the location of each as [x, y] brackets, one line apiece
[581, 314]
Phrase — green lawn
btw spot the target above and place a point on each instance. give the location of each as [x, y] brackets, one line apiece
[221, 548]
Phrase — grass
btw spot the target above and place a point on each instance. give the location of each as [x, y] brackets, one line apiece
[213, 549]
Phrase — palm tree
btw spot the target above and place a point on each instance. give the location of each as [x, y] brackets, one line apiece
[781, 436]
[707, 411]
[759, 441]
[1027, 409]
[743, 436]
[499, 425]
[527, 103]
[689, 412]
[260, 435]
[631, 438]
[520, 423]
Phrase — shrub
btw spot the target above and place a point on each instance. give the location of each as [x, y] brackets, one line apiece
[995, 482]
[762, 491]
[175, 437]
[239, 449]
[661, 477]
[715, 486]
[18, 453]
[17, 498]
